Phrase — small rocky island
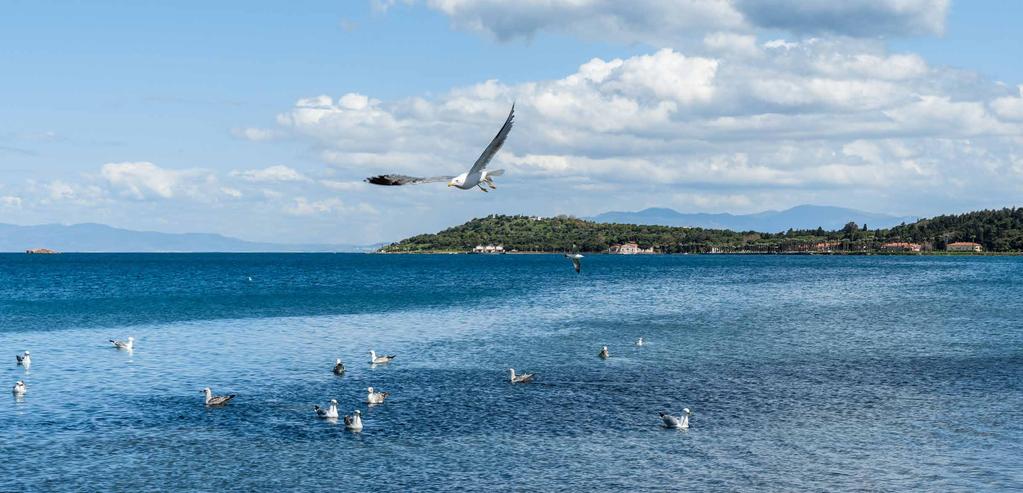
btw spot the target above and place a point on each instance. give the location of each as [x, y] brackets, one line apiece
[41, 250]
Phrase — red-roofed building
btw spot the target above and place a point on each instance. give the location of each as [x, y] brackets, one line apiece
[964, 246]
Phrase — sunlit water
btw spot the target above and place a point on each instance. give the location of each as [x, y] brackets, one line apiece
[804, 373]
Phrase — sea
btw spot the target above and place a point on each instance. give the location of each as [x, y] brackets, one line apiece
[803, 373]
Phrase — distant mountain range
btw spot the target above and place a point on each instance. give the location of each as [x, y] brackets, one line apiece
[101, 238]
[799, 217]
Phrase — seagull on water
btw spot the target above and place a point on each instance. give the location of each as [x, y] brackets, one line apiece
[354, 421]
[604, 354]
[376, 397]
[19, 388]
[475, 177]
[329, 413]
[639, 342]
[379, 360]
[339, 368]
[524, 378]
[575, 257]
[216, 400]
[680, 422]
[24, 359]
[127, 345]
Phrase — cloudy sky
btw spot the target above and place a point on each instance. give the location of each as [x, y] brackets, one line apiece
[259, 119]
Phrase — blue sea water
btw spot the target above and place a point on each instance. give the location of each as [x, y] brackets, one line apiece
[804, 373]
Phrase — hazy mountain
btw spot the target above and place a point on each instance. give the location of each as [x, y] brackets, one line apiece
[799, 217]
[102, 238]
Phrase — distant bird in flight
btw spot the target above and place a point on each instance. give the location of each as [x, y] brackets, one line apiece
[575, 260]
[475, 177]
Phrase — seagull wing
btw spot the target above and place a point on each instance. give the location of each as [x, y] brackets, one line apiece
[495, 145]
[395, 180]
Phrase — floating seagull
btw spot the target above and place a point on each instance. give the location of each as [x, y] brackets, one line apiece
[19, 388]
[329, 413]
[24, 359]
[681, 422]
[354, 421]
[379, 360]
[575, 260]
[524, 378]
[216, 400]
[250, 278]
[125, 345]
[639, 342]
[339, 367]
[475, 177]
[376, 397]
[604, 354]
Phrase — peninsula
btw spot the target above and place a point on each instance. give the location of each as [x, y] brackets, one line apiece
[999, 231]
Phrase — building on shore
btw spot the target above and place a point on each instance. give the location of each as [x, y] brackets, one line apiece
[488, 249]
[631, 248]
[964, 246]
[901, 246]
[41, 250]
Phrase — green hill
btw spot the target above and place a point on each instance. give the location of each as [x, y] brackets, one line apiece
[997, 230]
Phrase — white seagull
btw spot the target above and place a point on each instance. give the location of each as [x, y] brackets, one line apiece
[475, 177]
[604, 354]
[127, 345]
[339, 368]
[19, 388]
[24, 359]
[216, 400]
[680, 422]
[575, 257]
[524, 378]
[375, 397]
[329, 413]
[354, 421]
[639, 342]
[379, 360]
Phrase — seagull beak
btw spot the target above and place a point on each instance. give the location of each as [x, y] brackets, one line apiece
[450, 185]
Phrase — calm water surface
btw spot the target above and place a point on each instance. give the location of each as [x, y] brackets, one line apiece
[804, 373]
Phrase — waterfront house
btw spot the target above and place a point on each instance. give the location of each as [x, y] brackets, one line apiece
[901, 246]
[631, 248]
[964, 246]
[490, 249]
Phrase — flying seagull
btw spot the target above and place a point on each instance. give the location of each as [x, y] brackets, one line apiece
[576, 260]
[475, 177]
[127, 345]
[216, 400]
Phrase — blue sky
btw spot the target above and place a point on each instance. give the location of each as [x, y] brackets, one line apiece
[211, 117]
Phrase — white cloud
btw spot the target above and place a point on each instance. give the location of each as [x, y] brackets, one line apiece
[10, 202]
[302, 206]
[255, 134]
[270, 174]
[658, 22]
[344, 186]
[1009, 107]
[144, 180]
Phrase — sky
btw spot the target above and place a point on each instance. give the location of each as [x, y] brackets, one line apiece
[260, 119]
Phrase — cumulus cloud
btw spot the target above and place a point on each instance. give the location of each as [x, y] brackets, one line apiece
[303, 206]
[811, 114]
[144, 180]
[657, 21]
[270, 174]
[10, 201]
